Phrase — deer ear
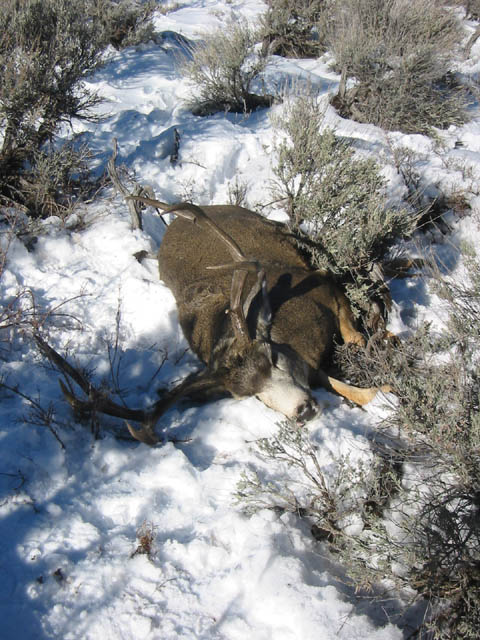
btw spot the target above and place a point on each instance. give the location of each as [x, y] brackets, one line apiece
[264, 324]
[264, 318]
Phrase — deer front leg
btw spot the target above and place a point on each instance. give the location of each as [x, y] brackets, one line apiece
[357, 395]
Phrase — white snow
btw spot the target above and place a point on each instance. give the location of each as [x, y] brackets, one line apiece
[69, 517]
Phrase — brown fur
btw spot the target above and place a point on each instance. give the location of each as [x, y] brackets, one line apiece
[308, 310]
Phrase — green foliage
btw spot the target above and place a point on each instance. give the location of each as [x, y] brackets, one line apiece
[400, 53]
[223, 68]
[335, 199]
[293, 28]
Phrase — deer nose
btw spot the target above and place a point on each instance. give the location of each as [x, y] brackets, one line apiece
[306, 411]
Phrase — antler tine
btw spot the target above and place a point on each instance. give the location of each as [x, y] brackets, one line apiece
[150, 201]
[241, 265]
[96, 399]
[265, 316]
[145, 434]
[199, 381]
[194, 383]
[195, 214]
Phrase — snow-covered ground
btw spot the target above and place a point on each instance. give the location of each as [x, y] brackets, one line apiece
[69, 515]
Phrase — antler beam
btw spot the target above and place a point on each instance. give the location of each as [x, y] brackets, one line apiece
[99, 401]
[241, 266]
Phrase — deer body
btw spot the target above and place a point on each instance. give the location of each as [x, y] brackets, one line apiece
[308, 311]
[306, 305]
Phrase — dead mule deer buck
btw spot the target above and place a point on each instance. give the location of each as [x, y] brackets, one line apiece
[262, 321]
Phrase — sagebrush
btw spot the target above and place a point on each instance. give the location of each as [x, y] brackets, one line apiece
[400, 54]
[223, 69]
[48, 48]
[125, 22]
[472, 8]
[406, 521]
[335, 199]
[435, 376]
[293, 28]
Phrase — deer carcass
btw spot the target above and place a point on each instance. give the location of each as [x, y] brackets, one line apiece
[260, 319]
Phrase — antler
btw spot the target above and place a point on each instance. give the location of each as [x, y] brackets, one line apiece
[99, 401]
[240, 266]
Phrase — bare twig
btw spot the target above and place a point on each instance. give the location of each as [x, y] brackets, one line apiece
[40, 415]
[133, 205]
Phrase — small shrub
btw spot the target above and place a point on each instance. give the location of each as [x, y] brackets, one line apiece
[292, 28]
[223, 68]
[146, 539]
[17, 307]
[340, 500]
[125, 22]
[169, 7]
[327, 500]
[400, 54]
[57, 178]
[47, 50]
[335, 200]
[472, 8]
[237, 192]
